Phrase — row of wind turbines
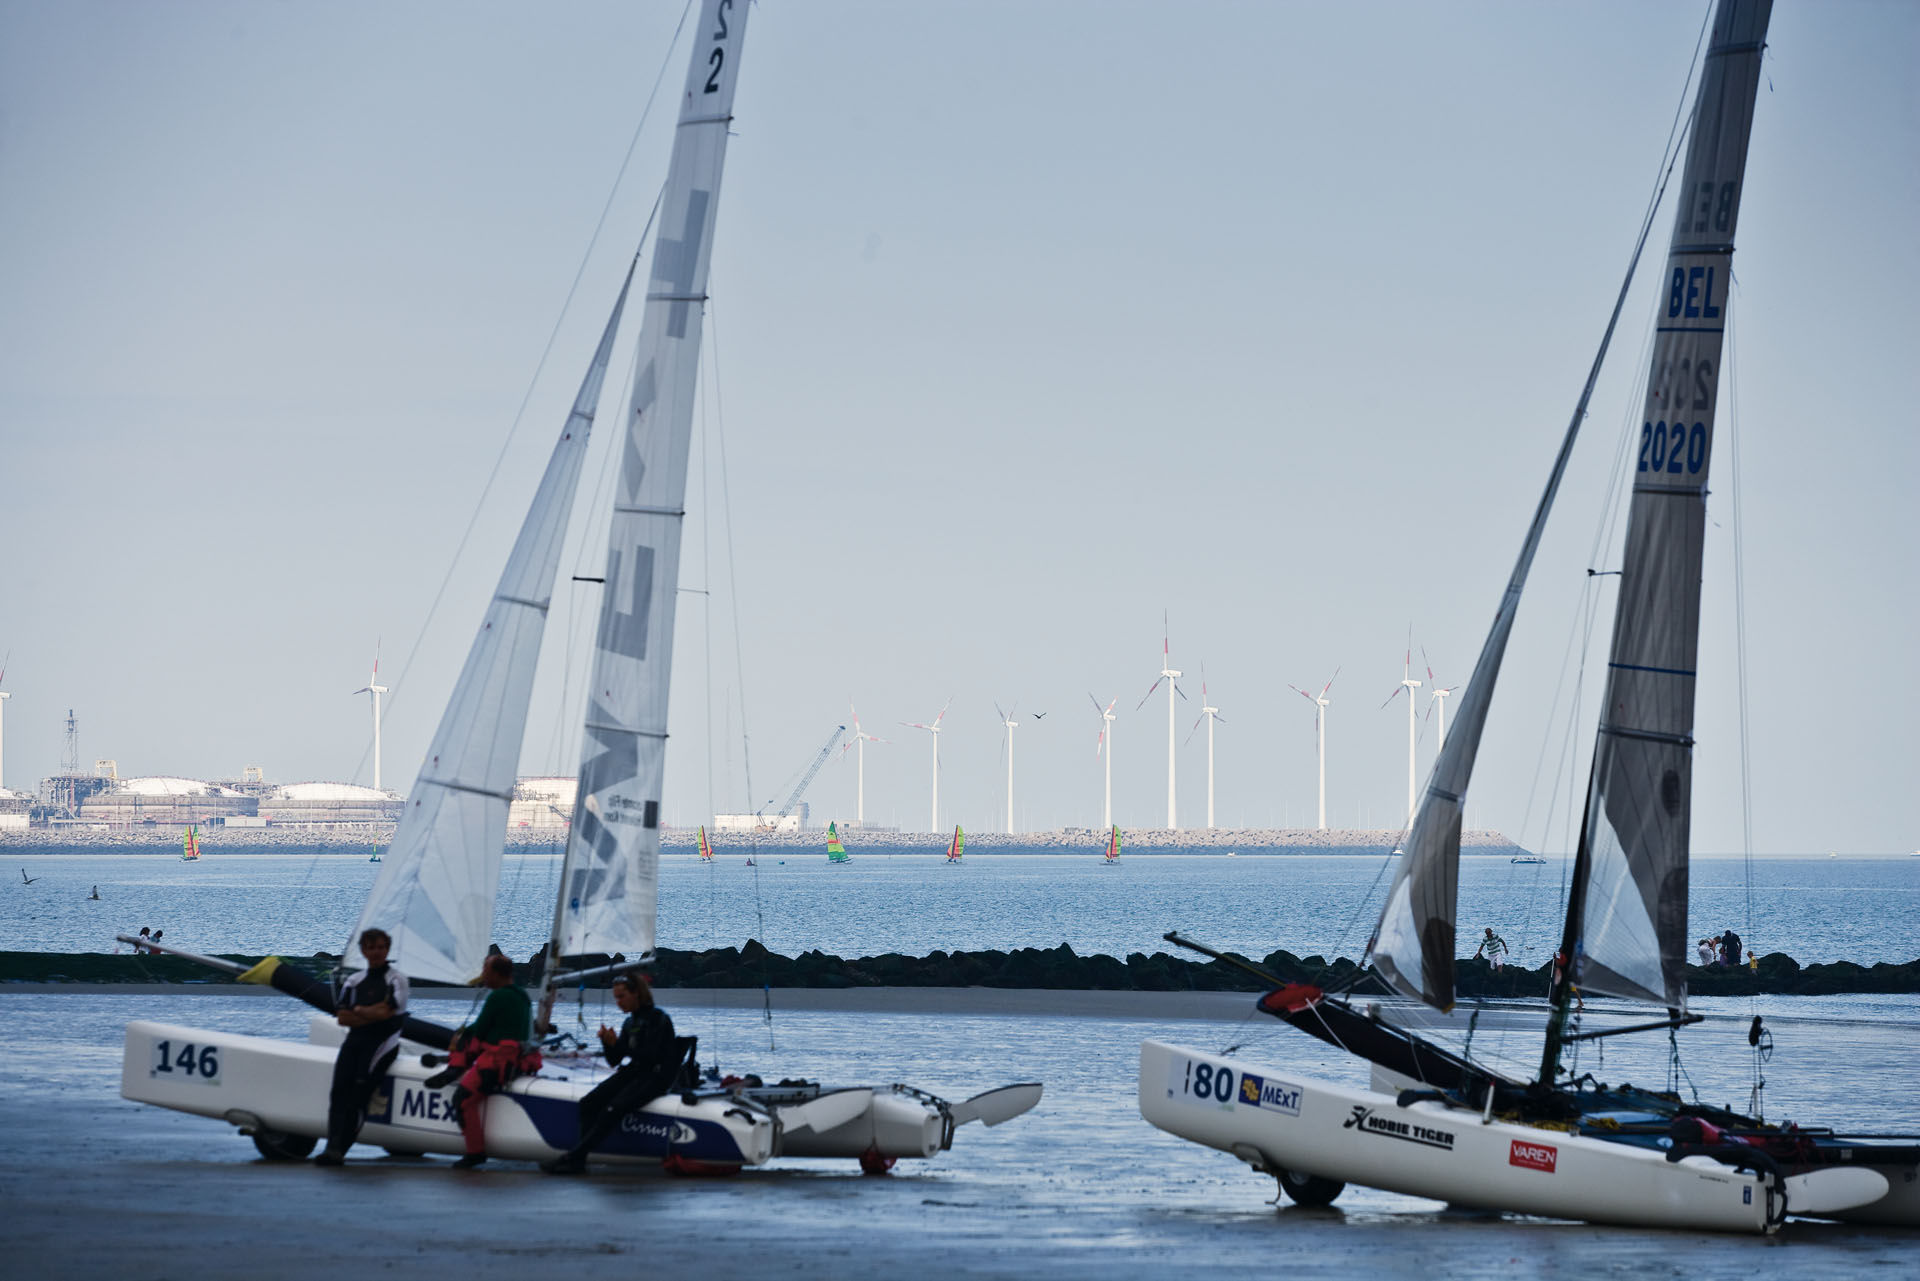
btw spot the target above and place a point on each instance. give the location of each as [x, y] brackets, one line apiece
[1209, 715]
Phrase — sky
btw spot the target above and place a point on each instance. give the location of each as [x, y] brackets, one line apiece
[1031, 325]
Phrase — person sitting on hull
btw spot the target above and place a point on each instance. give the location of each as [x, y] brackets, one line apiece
[372, 1007]
[488, 1054]
[645, 1060]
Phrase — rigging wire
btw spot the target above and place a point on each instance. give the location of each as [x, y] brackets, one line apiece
[739, 660]
[526, 398]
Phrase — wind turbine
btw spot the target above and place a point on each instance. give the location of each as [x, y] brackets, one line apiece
[4, 696]
[1172, 679]
[934, 729]
[1439, 703]
[1408, 684]
[1320, 702]
[1006, 718]
[1104, 745]
[375, 688]
[860, 740]
[1209, 714]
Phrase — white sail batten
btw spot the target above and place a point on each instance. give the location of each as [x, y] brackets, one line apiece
[1632, 938]
[435, 892]
[610, 883]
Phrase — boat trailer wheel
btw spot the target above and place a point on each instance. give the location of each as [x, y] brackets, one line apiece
[275, 1146]
[1308, 1189]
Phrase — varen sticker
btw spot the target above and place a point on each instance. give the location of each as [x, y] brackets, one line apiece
[1533, 1156]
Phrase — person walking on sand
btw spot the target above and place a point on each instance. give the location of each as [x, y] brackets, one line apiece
[1495, 947]
[372, 1007]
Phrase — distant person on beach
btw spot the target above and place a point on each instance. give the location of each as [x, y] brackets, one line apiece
[146, 936]
[372, 1007]
[1495, 947]
[646, 1061]
[1730, 950]
[1706, 951]
[488, 1054]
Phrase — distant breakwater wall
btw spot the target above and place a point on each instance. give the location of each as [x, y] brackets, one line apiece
[1058, 968]
[297, 840]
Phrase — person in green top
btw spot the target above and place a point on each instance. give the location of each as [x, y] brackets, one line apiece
[491, 1049]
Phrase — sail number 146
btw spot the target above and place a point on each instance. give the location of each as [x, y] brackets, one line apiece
[186, 1062]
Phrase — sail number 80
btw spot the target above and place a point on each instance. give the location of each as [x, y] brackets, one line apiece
[1208, 1083]
[1673, 448]
[186, 1060]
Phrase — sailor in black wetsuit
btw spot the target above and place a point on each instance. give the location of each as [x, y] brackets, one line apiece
[372, 1006]
[645, 1063]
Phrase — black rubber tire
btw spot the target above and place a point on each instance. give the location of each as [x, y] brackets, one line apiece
[275, 1146]
[1309, 1189]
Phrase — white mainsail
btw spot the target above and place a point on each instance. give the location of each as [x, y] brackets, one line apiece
[435, 892]
[610, 883]
[1631, 886]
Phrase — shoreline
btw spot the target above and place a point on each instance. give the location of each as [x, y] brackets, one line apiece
[753, 968]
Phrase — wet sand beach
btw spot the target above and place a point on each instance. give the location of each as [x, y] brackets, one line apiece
[1080, 1187]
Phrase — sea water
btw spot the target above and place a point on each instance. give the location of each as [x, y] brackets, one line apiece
[1814, 909]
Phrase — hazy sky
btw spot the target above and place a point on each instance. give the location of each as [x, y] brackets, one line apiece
[1032, 321]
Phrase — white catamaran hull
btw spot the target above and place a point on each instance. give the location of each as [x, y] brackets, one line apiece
[1281, 1121]
[281, 1087]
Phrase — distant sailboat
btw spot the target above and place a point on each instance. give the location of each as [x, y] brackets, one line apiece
[706, 847]
[1527, 858]
[375, 856]
[1113, 848]
[190, 846]
[958, 846]
[836, 852]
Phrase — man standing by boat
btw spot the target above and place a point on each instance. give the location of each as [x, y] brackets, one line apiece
[372, 1006]
[645, 1061]
[487, 1054]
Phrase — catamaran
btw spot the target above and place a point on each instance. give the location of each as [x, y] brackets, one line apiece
[1113, 848]
[1445, 1125]
[190, 846]
[836, 849]
[435, 893]
[958, 846]
[706, 846]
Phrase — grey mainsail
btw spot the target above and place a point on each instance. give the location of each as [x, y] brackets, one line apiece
[610, 880]
[1631, 877]
[1413, 943]
[435, 892]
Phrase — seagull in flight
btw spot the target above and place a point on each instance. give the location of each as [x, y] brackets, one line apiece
[28, 879]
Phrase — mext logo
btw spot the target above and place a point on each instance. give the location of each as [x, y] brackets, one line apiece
[1533, 1156]
[1275, 1095]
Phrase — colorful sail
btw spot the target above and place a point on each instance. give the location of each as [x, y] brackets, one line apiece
[1630, 878]
[1113, 844]
[958, 846]
[836, 851]
[190, 845]
[610, 884]
[706, 846]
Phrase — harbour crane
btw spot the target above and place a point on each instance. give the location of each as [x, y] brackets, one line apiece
[793, 798]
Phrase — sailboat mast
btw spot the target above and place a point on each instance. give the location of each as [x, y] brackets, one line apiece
[1560, 992]
[610, 884]
[1627, 922]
